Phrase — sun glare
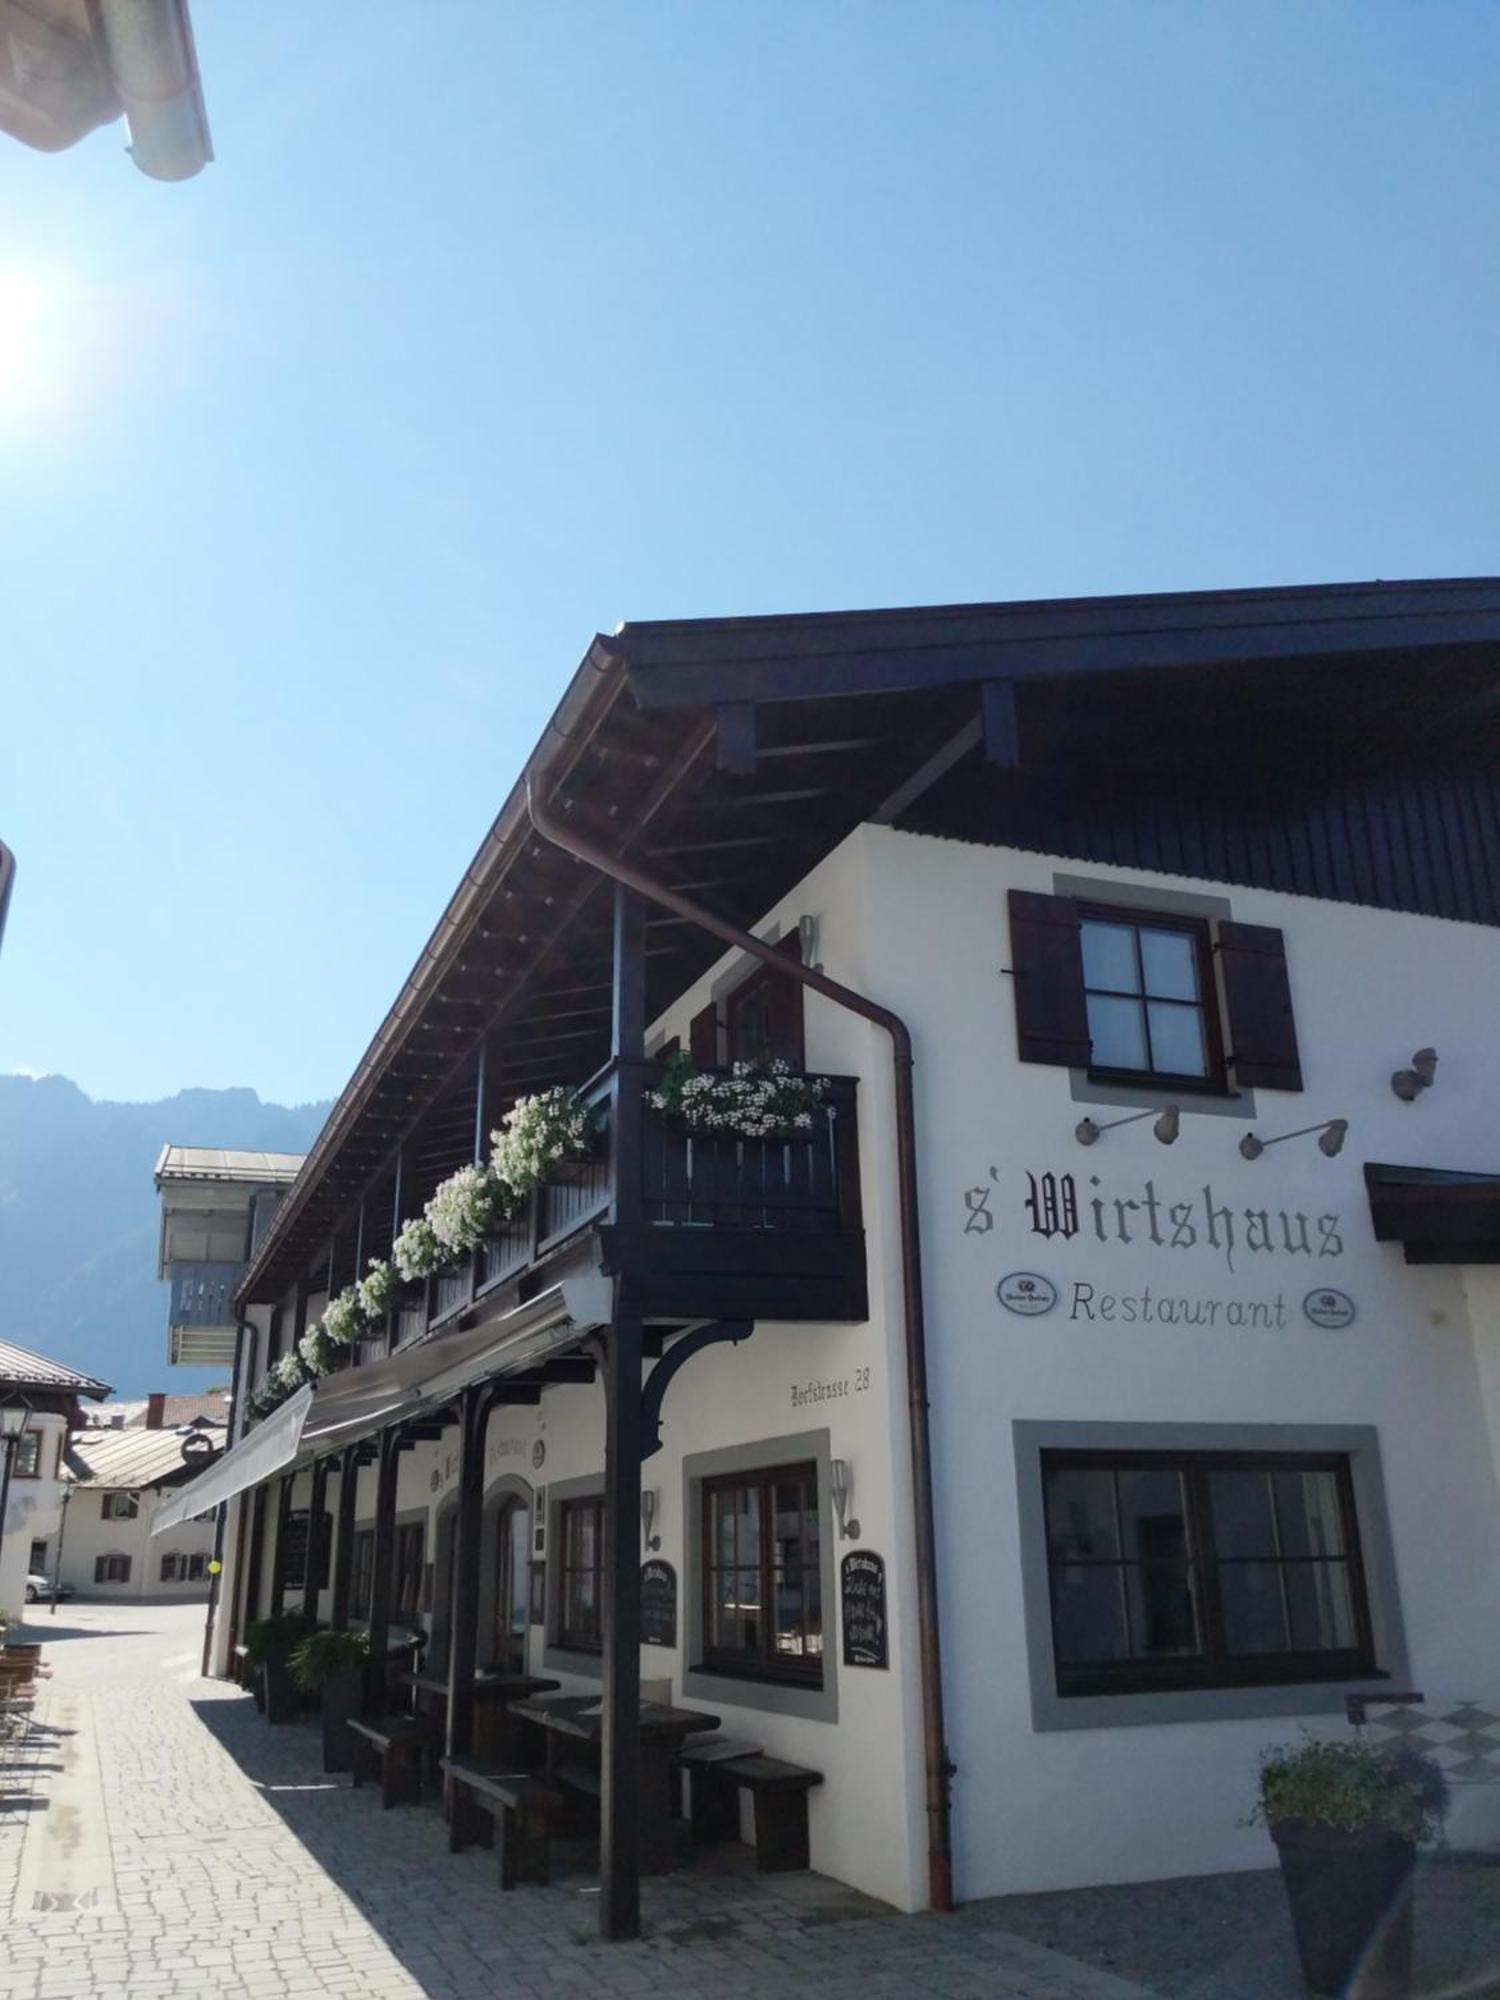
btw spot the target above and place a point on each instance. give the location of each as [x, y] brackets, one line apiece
[20, 339]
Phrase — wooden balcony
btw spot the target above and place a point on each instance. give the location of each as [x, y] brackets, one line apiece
[698, 1225]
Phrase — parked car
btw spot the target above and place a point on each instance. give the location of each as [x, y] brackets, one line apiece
[39, 1587]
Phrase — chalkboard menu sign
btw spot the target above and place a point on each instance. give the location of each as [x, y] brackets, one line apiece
[862, 1591]
[658, 1604]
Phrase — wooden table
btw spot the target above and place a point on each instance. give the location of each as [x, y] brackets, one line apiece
[572, 1719]
[498, 1738]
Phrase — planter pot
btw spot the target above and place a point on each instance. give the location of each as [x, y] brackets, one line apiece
[283, 1698]
[1350, 1897]
[340, 1703]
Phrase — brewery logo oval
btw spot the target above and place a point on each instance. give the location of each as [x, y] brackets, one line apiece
[1326, 1307]
[1027, 1293]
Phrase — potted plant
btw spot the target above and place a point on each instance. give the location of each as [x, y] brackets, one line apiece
[268, 1642]
[1346, 1819]
[332, 1666]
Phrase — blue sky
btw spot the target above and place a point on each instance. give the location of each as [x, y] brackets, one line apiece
[494, 324]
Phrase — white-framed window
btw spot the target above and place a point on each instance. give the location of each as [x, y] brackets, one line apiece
[120, 1507]
[112, 1569]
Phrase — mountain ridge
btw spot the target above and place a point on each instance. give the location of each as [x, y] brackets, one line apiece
[79, 1217]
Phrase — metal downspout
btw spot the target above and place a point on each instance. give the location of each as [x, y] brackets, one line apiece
[221, 1513]
[935, 1748]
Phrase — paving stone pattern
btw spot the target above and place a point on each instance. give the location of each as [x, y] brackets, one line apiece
[207, 1855]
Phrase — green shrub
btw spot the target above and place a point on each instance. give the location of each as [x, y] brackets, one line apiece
[1351, 1787]
[269, 1639]
[327, 1656]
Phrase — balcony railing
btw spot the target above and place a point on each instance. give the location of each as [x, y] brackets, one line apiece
[803, 1184]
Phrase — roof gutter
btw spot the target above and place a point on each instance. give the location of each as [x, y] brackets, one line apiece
[590, 695]
[934, 1736]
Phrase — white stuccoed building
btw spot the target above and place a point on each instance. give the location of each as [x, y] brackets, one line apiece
[48, 1392]
[119, 1479]
[1043, 1457]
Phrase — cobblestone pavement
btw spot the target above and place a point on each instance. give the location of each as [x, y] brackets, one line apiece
[159, 1842]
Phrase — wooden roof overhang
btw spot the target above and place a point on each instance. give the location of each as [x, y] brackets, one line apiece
[726, 757]
[1438, 1215]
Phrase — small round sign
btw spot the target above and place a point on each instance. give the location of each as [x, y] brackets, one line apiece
[1027, 1293]
[1326, 1307]
[198, 1444]
[539, 1454]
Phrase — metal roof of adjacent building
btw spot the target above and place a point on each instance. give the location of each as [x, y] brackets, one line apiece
[227, 1163]
[135, 1457]
[21, 1369]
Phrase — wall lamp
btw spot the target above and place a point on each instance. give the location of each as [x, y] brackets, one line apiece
[843, 1493]
[1331, 1142]
[648, 1516]
[1409, 1084]
[1168, 1124]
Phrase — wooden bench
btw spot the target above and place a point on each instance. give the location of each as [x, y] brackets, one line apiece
[720, 1769]
[516, 1807]
[396, 1749]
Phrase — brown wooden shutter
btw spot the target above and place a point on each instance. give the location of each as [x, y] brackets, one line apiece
[703, 1037]
[1260, 1031]
[1046, 951]
[98, 1569]
[784, 1008]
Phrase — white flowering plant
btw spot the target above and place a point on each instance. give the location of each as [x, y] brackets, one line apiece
[316, 1348]
[416, 1252]
[754, 1103]
[343, 1320]
[377, 1290]
[537, 1133]
[466, 1208]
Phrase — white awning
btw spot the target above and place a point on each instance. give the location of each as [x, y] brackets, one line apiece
[353, 1404]
[269, 1447]
[343, 1408]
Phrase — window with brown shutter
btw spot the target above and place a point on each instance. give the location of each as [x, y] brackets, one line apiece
[703, 1037]
[763, 1015]
[1261, 1031]
[1047, 963]
[758, 1022]
[1129, 994]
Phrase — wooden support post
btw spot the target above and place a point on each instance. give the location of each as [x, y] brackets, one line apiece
[317, 1547]
[629, 1051]
[278, 1559]
[343, 1538]
[255, 1567]
[463, 1636]
[382, 1567]
[620, 1802]
[620, 1806]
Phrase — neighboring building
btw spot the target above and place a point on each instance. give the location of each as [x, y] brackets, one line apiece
[33, 1509]
[159, 1411]
[69, 66]
[1151, 1363]
[217, 1205]
[119, 1480]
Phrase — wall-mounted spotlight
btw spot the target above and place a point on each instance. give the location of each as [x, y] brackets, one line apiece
[1409, 1084]
[1168, 1124]
[807, 938]
[843, 1493]
[648, 1516]
[1331, 1141]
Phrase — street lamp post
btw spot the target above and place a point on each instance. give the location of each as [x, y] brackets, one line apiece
[62, 1529]
[13, 1418]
